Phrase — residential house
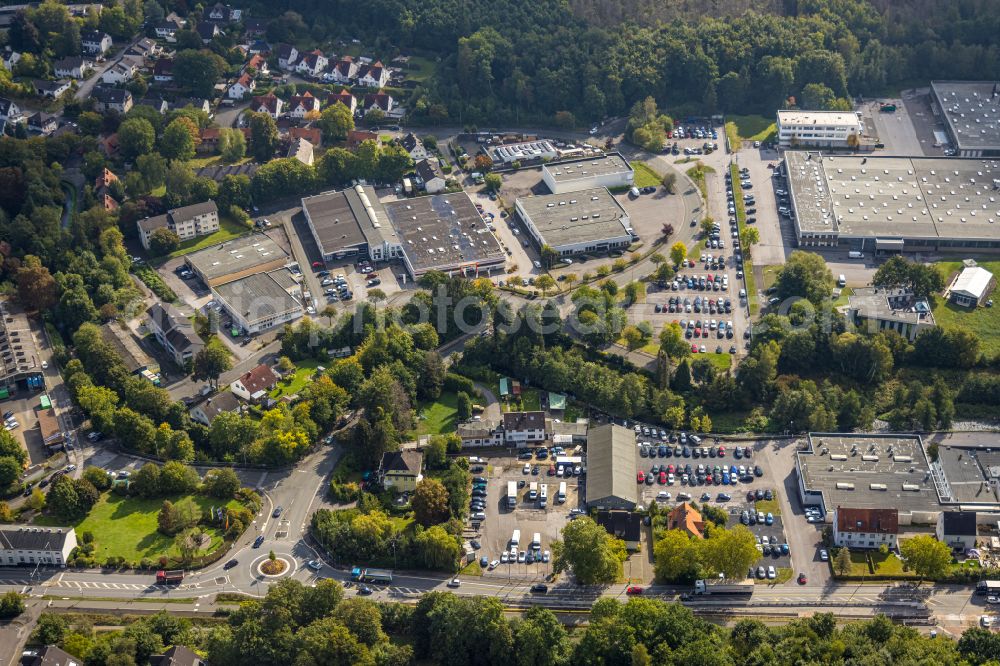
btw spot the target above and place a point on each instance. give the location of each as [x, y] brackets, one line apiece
[379, 101]
[258, 64]
[269, 104]
[344, 71]
[865, 528]
[174, 332]
[523, 428]
[287, 54]
[301, 150]
[111, 99]
[300, 105]
[207, 31]
[167, 30]
[50, 655]
[163, 70]
[10, 111]
[21, 545]
[9, 59]
[145, 48]
[158, 104]
[311, 134]
[187, 222]
[356, 137]
[108, 145]
[95, 42]
[958, 529]
[177, 655]
[254, 385]
[259, 47]
[224, 13]
[194, 102]
[430, 175]
[205, 412]
[686, 518]
[43, 123]
[400, 470]
[875, 309]
[373, 76]
[108, 203]
[971, 286]
[53, 89]
[480, 433]
[242, 87]
[414, 146]
[624, 525]
[255, 28]
[312, 63]
[103, 181]
[120, 73]
[74, 67]
[343, 97]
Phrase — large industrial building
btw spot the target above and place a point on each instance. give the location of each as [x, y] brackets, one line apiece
[524, 152]
[261, 301]
[611, 465]
[237, 259]
[875, 471]
[894, 204]
[351, 222]
[971, 113]
[586, 221]
[444, 232]
[610, 171]
[20, 364]
[818, 129]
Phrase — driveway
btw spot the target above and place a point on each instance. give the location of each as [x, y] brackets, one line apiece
[86, 87]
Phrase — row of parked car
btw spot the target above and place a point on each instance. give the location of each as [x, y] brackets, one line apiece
[703, 475]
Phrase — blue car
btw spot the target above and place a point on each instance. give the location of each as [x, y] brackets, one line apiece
[769, 519]
[784, 549]
[663, 451]
[258, 541]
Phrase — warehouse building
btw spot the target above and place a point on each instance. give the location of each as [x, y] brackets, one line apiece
[971, 285]
[971, 113]
[20, 364]
[136, 360]
[237, 259]
[818, 129]
[889, 205]
[524, 152]
[611, 465]
[610, 171]
[261, 301]
[444, 232]
[590, 220]
[349, 223]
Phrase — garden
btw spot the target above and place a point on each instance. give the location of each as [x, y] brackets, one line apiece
[983, 321]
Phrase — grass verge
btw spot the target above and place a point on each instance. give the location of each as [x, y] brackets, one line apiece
[228, 230]
[439, 416]
[752, 127]
[645, 176]
[768, 506]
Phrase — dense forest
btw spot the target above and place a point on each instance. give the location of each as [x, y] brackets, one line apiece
[512, 61]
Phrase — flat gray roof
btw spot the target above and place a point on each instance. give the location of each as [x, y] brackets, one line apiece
[348, 219]
[970, 472]
[18, 353]
[257, 297]
[576, 217]
[443, 232]
[909, 197]
[869, 471]
[890, 305]
[587, 167]
[236, 255]
[611, 453]
[972, 111]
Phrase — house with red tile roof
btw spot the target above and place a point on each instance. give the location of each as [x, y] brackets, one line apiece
[254, 385]
[686, 518]
[269, 104]
[343, 97]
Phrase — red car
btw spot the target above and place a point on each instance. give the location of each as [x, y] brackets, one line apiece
[317, 264]
[633, 589]
[663, 478]
[802, 579]
[640, 477]
[722, 452]
[694, 349]
[552, 471]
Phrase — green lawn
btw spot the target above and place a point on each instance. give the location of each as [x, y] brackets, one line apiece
[768, 506]
[753, 128]
[531, 400]
[302, 376]
[228, 230]
[984, 322]
[885, 565]
[424, 69]
[645, 176]
[126, 526]
[721, 361]
[844, 295]
[438, 417]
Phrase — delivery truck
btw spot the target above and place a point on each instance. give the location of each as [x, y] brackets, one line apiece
[723, 586]
[169, 577]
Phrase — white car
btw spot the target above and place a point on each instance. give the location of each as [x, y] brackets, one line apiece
[526, 469]
[454, 582]
[521, 555]
[663, 496]
[823, 555]
[503, 558]
[771, 573]
[993, 600]
[493, 565]
[545, 556]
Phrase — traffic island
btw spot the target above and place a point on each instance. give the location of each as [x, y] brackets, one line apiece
[273, 566]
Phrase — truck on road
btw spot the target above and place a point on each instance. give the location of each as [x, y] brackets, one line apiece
[988, 587]
[365, 575]
[722, 586]
[169, 577]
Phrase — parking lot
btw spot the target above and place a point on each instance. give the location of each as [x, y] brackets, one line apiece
[495, 531]
[771, 540]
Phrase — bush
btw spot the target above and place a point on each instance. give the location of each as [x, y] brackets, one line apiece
[455, 383]
[152, 280]
[344, 492]
[11, 605]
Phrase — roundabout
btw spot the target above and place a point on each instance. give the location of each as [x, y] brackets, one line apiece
[275, 565]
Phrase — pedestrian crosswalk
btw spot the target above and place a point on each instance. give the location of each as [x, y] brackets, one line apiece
[100, 585]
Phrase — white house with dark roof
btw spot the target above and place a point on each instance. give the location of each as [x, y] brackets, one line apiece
[111, 99]
[187, 222]
[120, 73]
[412, 144]
[95, 42]
[167, 30]
[429, 174]
[299, 105]
[312, 63]
[343, 97]
[958, 529]
[24, 545]
[373, 76]
[270, 104]
[53, 89]
[523, 428]
[344, 71]
[383, 102]
[220, 403]
[73, 67]
[174, 332]
[242, 87]
[287, 55]
[10, 111]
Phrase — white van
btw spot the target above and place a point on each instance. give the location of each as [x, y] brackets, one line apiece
[515, 539]
[854, 254]
[634, 192]
[841, 280]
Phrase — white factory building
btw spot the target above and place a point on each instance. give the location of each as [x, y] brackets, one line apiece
[818, 129]
[610, 171]
[590, 220]
[524, 152]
